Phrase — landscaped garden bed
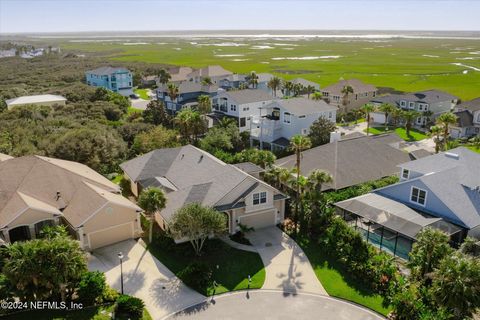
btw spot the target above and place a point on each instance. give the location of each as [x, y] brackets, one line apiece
[414, 135]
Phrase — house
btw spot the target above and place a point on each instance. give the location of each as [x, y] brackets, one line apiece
[281, 119]
[306, 83]
[262, 82]
[434, 102]
[149, 81]
[248, 167]
[114, 79]
[179, 74]
[241, 105]
[441, 191]
[39, 100]
[37, 191]
[468, 114]
[362, 94]
[215, 73]
[190, 175]
[352, 161]
[188, 93]
[233, 81]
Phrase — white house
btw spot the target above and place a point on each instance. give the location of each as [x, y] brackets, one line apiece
[241, 104]
[284, 118]
[468, 119]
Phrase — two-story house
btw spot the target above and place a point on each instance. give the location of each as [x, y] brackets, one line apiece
[241, 105]
[190, 175]
[468, 124]
[216, 73]
[114, 79]
[187, 96]
[440, 191]
[283, 118]
[337, 95]
[434, 102]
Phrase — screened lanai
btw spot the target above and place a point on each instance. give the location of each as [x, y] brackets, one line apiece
[388, 224]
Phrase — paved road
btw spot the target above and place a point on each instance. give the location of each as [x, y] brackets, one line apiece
[287, 267]
[144, 277]
[274, 305]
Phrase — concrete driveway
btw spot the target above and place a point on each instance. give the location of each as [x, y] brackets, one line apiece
[139, 103]
[144, 277]
[287, 267]
[274, 305]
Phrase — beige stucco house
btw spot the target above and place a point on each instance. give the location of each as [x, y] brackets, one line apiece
[362, 94]
[37, 191]
[190, 175]
[40, 100]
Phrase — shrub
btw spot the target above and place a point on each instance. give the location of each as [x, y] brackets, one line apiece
[110, 294]
[130, 306]
[91, 287]
[196, 275]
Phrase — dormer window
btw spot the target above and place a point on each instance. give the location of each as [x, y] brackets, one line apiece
[418, 196]
[405, 174]
[287, 117]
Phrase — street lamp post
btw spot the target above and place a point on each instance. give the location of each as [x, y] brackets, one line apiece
[249, 281]
[120, 257]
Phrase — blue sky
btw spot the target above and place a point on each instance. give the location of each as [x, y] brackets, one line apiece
[129, 15]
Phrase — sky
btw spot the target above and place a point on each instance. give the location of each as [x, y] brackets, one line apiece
[24, 16]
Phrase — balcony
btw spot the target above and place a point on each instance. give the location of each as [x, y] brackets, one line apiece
[265, 129]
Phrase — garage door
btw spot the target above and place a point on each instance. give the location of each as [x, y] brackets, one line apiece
[111, 235]
[259, 220]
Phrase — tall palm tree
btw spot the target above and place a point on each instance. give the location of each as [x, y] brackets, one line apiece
[191, 124]
[446, 120]
[253, 79]
[151, 200]
[298, 144]
[163, 76]
[297, 89]
[309, 90]
[346, 92]
[204, 104]
[317, 96]
[317, 178]
[287, 87]
[396, 114]
[172, 91]
[367, 109]
[435, 132]
[274, 83]
[386, 108]
[409, 117]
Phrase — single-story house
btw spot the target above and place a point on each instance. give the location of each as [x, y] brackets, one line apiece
[37, 191]
[190, 175]
[39, 100]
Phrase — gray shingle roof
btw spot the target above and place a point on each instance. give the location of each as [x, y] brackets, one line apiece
[249, 167]
[189, 87]
[305, 83]
[352, 161]
[357, 86]
[249, 96]
[107, 70]
[427, 96]
[472, 105]
[303, 106]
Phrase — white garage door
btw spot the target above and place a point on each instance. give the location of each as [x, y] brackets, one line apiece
[259, 220]
[111, 235]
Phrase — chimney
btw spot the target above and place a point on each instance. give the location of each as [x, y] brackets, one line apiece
[335, 136]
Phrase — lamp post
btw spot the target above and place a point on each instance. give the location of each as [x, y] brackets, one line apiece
[249, 281]
[120, 257]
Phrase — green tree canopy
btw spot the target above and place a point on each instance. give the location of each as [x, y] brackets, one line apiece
[156, 138]
[151, 200]
[320, 131]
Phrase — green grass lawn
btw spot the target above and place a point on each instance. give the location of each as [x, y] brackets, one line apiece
[142, 93]
[90, 313]
[351, 123]
[234, 265]
[133, 110]
[415, 135]
[117, 179]
[473, 148]
[338, 283]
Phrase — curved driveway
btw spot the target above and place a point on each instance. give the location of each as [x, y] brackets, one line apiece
[275, 305]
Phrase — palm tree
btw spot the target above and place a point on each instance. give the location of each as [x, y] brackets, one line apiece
[274, 83]
[191, 123]
[207, 81]
[317, 96]
[317, 178]
[396, 114]
[297, 89]
[386, 108]
[298, 143]
[446, 120]
[253, 79]
[427, 114]
[409, 117]
[346, 92]
[172, 91]
[151, 200]
[287, 87]
[435, 132]
[309, 90]
[163, 76]
[204, 104]
[367, 109]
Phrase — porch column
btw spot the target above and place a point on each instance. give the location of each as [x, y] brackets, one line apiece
[6, 235]
[81, 237]
[381, 239]
[32, 231]
[368, 231]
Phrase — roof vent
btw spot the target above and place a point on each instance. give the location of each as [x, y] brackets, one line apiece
[452, 155]
[60, 202]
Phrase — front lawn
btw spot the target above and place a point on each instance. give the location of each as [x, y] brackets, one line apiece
[474, 149]
[133, 110]
[415, 135]
[142, 93]
[337, 282]
[234, 265]
[90, 313]
[351, 123]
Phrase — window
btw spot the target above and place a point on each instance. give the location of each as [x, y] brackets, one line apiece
[259, 198]
[242, 122]
[304, 131]
[405, 173]
[374, 94]
[356, 97]
[403, 103]
[418, 196]
[302, 116]
[330, 115]
[411, 105]
[246, 108]
[478, 117]
[287, 117]
[233, 107]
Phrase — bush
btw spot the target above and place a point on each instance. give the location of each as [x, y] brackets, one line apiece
[196, 275]
[110, 294]
[130, 306]
[91, 287]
